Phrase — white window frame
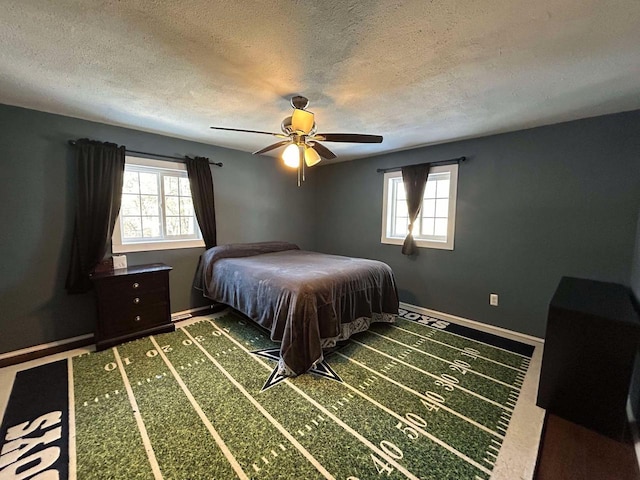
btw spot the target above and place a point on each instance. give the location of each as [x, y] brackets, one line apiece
[387, 211]
[120, 246]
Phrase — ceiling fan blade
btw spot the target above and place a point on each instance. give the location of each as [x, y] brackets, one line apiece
[247, 131]
[323, 151]
[349, 137]
[272, 147]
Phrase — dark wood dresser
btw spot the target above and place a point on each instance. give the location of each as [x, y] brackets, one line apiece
[133, 302]
[593, 335]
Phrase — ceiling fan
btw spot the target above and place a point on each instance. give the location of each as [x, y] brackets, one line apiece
[299, 133]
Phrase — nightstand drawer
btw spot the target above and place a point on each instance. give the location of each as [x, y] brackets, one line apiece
[134, 285]
[110, 301]
[124, 320]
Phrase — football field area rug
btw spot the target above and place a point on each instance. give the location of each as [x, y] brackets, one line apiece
[423, 398]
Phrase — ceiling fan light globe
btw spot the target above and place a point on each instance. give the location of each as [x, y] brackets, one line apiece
[302, 121]
[291, 156]
[311, 157]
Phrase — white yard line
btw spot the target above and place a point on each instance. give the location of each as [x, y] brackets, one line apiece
[423, 397]
[420, 430]
[218, 439]
[454, 348]
[429, 374]
[346, 427]
[466, 338]
[443, 360]
[155, 468]
[73, 466]
[262, 410]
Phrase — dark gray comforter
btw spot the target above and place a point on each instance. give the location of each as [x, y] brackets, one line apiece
[306, 299]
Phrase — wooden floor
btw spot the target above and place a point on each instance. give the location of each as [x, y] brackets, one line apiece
[572, 452]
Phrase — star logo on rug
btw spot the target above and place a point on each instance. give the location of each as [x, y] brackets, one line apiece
[321, 369]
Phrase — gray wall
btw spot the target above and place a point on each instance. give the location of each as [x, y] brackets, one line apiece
[532, 206]
[256, 199]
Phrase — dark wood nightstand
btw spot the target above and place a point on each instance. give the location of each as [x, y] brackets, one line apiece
[132, 302]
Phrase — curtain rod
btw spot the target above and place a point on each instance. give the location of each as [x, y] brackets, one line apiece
[451, 161]
[159, 155]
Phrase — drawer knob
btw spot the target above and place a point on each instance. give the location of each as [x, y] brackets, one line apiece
[136, 285]
[137, 319]
[136, 300]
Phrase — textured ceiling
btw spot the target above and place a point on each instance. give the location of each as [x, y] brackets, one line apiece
[418, 72]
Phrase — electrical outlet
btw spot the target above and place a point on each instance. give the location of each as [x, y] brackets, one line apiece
[493, 299]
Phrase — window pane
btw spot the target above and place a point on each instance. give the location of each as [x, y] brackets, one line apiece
[186, 207]
[428, 208]
[401, 226]
[430, 190]
[185, 188]
[171, 206]
[442, 207]
[156, 204]
[443, 188]
[151, 227]
[149, 183]
[131, 227]
[130, 204]
[441, 227]
[173, 226]
[401, 209]
[427, 226]
[170, 185]
[399, 187]
[130, 182]
[186, 226]
[149, 204]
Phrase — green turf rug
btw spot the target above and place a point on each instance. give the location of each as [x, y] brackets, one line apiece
[419, 399]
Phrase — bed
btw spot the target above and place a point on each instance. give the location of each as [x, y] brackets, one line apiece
[306, 300]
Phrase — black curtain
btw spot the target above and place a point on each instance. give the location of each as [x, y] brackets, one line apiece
[414, 178]
[100, 172]
[201, 183]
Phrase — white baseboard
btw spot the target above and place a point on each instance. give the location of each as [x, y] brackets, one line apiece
[634, 430]
[185, 314]
[502, 332]
[44, 346]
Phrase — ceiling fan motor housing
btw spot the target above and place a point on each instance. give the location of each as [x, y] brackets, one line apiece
[287, 129]
[299, 102]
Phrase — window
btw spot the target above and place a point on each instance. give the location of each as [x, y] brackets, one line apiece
[157, 209]
[434, 227]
